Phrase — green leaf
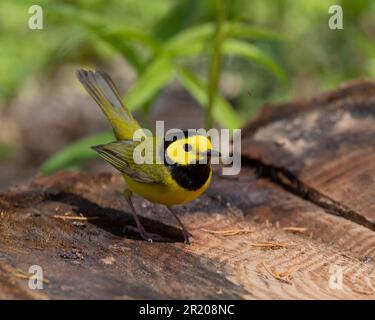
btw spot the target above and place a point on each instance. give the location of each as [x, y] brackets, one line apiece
[155, 77]
[176, 19]
[124, 39]
[72, 14]
[195, 39]
[215, 61]
[194, 36]
[246, 50]
[243, 30]
[75, 153]
[130, 33]
[121, 38]
[223, 112]
[126, 49]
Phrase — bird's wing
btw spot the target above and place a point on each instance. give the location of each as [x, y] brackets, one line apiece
[121, 155]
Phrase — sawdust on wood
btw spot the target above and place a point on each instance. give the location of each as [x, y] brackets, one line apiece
[230, 232]
[272, 245]
[284, 276]
[295, 229]
[75, 218]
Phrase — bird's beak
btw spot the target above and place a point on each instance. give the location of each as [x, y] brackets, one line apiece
[213, 153]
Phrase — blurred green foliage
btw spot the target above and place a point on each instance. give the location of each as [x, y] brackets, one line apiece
[76, 153]
[78, 31]
[6, 151]
[168, 39]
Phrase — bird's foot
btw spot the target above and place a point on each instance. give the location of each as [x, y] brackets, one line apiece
[150, 237]
[188, 237]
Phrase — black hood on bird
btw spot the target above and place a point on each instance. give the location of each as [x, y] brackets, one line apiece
[190, 177]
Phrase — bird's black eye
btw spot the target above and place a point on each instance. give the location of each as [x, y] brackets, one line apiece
[187, 147]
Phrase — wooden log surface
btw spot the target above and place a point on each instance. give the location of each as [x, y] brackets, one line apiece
[281, 236]
[324, 148]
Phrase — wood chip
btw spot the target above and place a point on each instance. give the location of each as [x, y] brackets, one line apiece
[272, 245]
[284, 276]
[231, 232]
[108, 260]
[295, 229]
[75, 218]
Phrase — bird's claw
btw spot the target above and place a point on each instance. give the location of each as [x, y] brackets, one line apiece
[150, 237]
[188, 237]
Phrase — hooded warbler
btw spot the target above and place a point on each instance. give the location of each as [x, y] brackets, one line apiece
[179, 178]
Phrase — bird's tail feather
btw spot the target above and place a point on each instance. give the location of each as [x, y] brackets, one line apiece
[103, 90]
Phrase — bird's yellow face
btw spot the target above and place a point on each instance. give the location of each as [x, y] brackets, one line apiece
[190, 150]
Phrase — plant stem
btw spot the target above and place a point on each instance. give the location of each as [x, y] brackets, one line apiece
[214, 69]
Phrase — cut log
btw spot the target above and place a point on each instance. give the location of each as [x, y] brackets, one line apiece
[266, 238]
[323, 148]
[238, 228]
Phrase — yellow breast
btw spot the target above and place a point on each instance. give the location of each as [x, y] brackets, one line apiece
[169, 193]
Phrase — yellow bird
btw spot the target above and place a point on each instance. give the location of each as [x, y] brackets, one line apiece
[179, 178]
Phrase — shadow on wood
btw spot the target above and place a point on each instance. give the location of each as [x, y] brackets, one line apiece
[278, 237]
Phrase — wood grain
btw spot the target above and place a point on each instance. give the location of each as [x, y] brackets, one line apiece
[98, 261]
[324, 148]
[278, 237]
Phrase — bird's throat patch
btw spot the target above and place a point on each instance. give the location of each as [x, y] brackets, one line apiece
[191, 177]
